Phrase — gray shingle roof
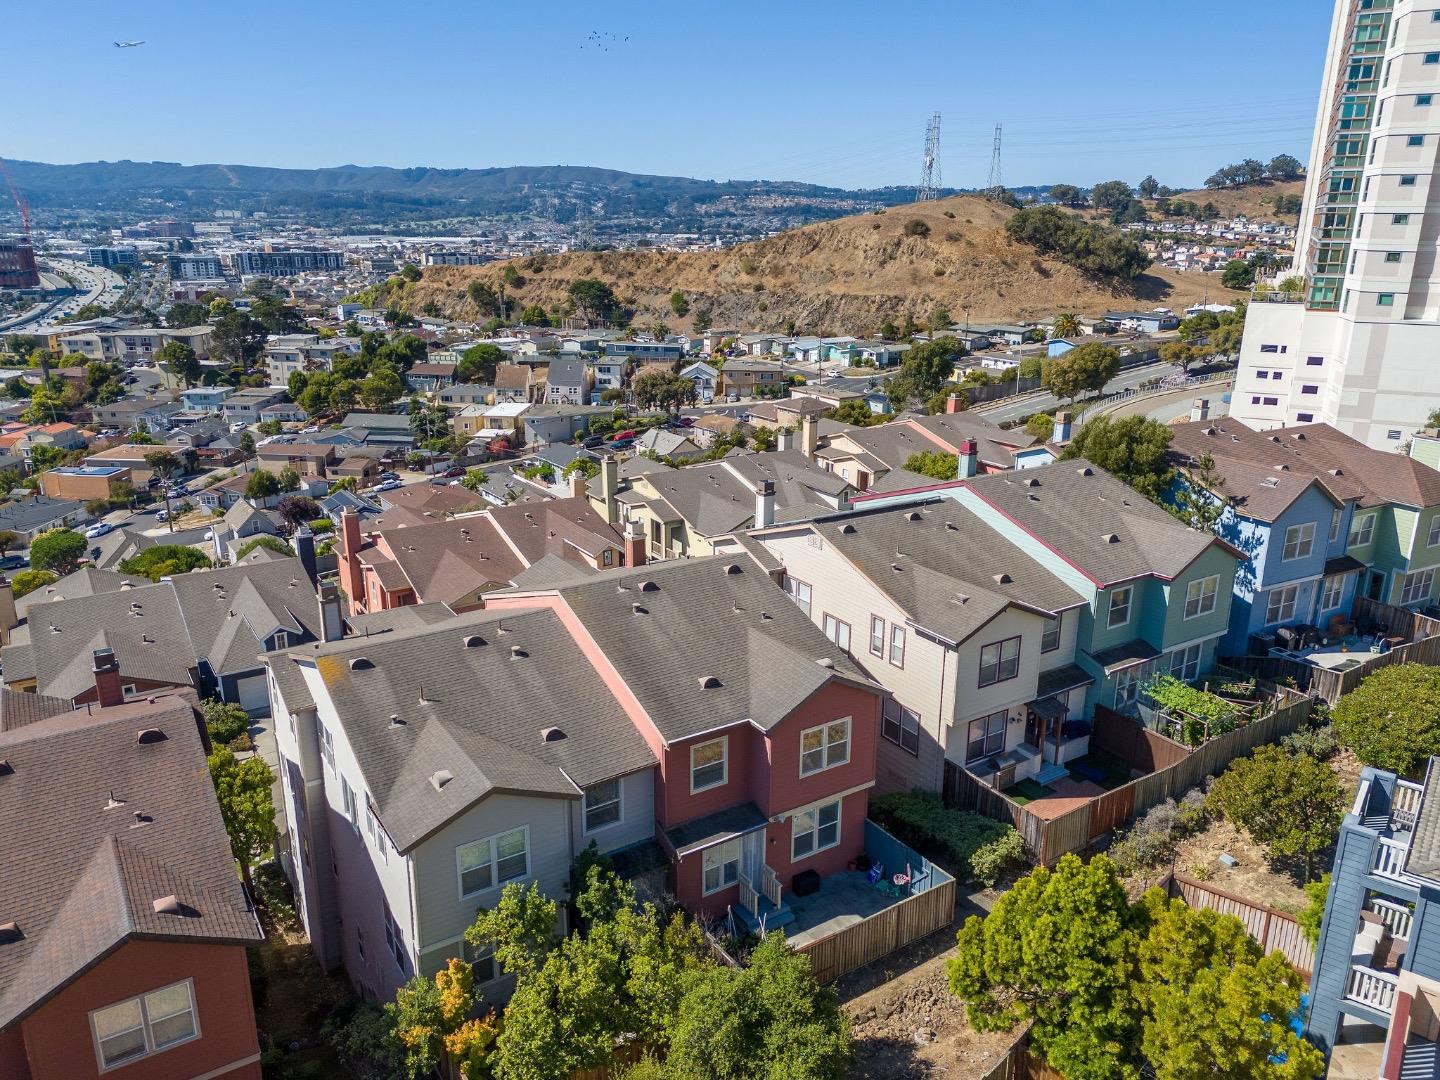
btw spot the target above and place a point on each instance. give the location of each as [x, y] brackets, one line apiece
[1423, 858]
[26, 515]
[483, 712]
[718, 616]
[92, 874]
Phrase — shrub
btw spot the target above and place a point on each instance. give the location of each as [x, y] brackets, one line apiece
[27, 581]
[242, 743]
[920, 819]
[225, 721]
[269, 543]
[1391, 720]
[1309, 918]
[993, 861]
[916, 227]
[1194, 810]
[1088, 247]
[1315, 740]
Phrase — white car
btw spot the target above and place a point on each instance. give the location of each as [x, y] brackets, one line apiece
[388, 485]
[97, 531]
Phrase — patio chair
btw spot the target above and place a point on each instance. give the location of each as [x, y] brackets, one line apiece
[876, 872]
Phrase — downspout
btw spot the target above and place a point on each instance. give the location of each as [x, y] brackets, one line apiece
[944, 656]
[414, 907]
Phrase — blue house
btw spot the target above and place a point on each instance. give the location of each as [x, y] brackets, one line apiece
[1377, 961]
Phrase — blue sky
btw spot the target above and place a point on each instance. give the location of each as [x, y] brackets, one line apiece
[835, 93]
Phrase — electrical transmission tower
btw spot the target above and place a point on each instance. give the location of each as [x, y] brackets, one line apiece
[930, 166]
[996, 184]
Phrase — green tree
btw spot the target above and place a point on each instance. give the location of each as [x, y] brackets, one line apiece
[289, 479]
[926, 368]
[765, 438]
[1199, 500]
[1285, 167]
[1392, 719]
[534, 315]
[586, 466]
[410, 272]
[592, 298]
[59, 550]
[1292, 804]
[269, 543]
[1041, 426]
[225, 721]
[237, 340]
[1148, 188]
[1111, 195]
[1068, 194]
[520, 928]
[477, 363]
[165, 560]
[1313, 914]
[1085, 245]
[1066, 325]
[679, 305]
[1084, 368]
[263, 484]
[1179, 354]
[381, 388]
[27, 581]
[934, 463]
[243, 790]
[662, 389]
[485, 299]
[183, 314]
[1238, 274]
[767, 1021]
[1134, 448]
[9, 539]
[856, 411]
[44, 457]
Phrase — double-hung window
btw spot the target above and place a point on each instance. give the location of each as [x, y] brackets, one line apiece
[144, 1025]
[877, 634]
[999, 661]
[901, 726]
[602, 805]
[376, 833]
[1432, 538]
[986, 736]
[1200, 596]
[484, 864]
[481, 959]
[800, 592]
[1185, 663]
[897, 645]
[1362, 530]
[838, 631]
[1127, 687]
[1119, 613]
[1299, 542]
[327, 746]
[1334, 589]
[1416, 587]
[352, 805]
[721, 866]
[393, 941]
[814, 829]
[1050, 637]
[1336, 516]
[824, 747]
[1280, 608]
[709, 764]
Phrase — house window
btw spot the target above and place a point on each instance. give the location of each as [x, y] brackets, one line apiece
[709, 764]
[1050, 638]
[1415, 140]
[1119, 613]
[393, 941]
[1336, 516]
[602, 805]
[375, 833]
[1309, 389]
[1432, 538]
[999, 661]
[1400, 219]
[280, 640]
[607, 557]
[1432, 58]
[1393, 256]
[721, 866]
[1280, 608]
[824, 747]
[1127, 687]
[1334, 589]
[144, 1025]
[1416, 587]
[352, 806]
[1362, 530]
[1385, 299]
[897, 645]
[814, 829]
[837, 631]
[1200, 596]
[1405, 181]
[1299, 542]
[327, 746]
[877, 636]
[1262, 374]
[1304, 417]
[1185, 663]
[986, 736]
[481, 959]
[800, 592]
[901, 726]
[1314, 361]
[1269, 348]
[1272, 401]
[483, 864]
[1425, 99]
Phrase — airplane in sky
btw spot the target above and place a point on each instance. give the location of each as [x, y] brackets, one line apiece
[128, 44]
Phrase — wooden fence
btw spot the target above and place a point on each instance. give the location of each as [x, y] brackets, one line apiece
[1048, 839]
[1269, 927]
[882, 933]
[1019, 1063]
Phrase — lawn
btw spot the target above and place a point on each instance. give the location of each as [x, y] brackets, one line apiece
[1028, 790]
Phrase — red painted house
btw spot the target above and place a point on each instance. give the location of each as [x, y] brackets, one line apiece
[122, 942]
[764, 730]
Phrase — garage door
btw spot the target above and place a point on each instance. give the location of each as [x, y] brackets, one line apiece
[253, 694]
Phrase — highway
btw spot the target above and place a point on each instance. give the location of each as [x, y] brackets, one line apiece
[102, 287]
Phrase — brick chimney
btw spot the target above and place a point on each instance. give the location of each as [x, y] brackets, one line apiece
[578, 486]
[107, 678]
[351, 579]
[8, 617]
[954, 403]
[609, 487]
[969, 457]
[809, 437]
[634, 543]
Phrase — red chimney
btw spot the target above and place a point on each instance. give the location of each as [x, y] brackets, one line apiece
[107, 678]
[954, 403]
[969, 457]
[350, 543]
[634, 543]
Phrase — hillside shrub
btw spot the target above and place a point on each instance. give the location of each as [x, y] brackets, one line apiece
[916, 227]
[921, 819]
[1081, 244]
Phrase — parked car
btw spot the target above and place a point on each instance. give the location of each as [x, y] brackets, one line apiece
[388, 485]
[592, 442]
[621, 444]
[162, 515]
[14, 562]
[453, 471]
[387, 475]
[103, 528]
[623, 435]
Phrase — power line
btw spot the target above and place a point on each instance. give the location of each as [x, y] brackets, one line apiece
[930, 165]
[996, 183]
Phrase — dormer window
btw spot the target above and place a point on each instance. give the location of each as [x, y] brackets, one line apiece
[279, 640]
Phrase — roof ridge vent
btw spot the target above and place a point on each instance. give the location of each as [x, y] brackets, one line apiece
[150, 736]
[710, 682]
[474, 641]
[10, 933]
[440, 777]
[361, 663]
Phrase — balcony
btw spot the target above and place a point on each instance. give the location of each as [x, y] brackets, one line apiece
[1371, 988]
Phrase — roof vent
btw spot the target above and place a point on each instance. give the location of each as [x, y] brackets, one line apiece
[826, 662]
[171, 905]
[1337, 472]
[148, 736]
[474, 641]
[6, 769]
[950, 526]
[360, 663]
[552, 734]
[1032, 482]
[960, 598]
[440, 777]
[517, 653]
[1300, 435]
[640, 609]
[395, 720]
[141, 818]
[710, 682]
[1208, 431]
[912, 516]
[765, 616]
[734, 568]
[1003, 579]
[1111, 538]
[10, 933]
[113, 803]
[1274, 438]
[1283, 468]
[847, 529]
[649, 586]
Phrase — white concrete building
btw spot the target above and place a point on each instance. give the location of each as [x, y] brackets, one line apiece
[1361, 348]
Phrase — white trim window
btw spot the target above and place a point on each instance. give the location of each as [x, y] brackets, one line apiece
[800, 592]
[393, 941]
[1280, 607]
[327, 746]
[1185, 663]
[1416, 587]
[838, 631]
[1200, 596]
[1432, 538]
[986, 736]
[720, 866]
[1299, 542]
[825, 747]
[1118, 613]
[1334, 590]
[901, 726]
[1127, 687]
[999, 661]
[877, 633]
[484, 864]
[1050, 637]
[1362, 529]
[603, 805]
[813, 829]
[352, 805]
[279, 640]
[897, 645]
[376, 833]
[144, 1025]
[1336, 516]
[709, 764]
[481, 959]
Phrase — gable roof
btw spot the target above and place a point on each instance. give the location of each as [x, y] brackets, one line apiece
[92, 871]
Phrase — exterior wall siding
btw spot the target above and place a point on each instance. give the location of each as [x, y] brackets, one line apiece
[637, 816]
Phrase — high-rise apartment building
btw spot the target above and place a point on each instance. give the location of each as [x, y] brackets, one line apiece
[1360, 348]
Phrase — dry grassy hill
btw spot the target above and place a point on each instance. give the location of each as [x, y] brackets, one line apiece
[844, 276]
[1255, 201]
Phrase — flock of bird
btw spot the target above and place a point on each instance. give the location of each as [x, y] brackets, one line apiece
[603, 41]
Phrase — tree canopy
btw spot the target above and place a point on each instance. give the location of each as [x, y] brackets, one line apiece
[1134, 448]
[243, 790]
[1084, 368]
[926, 368]
[1071, 239]
[592, 298]
[1290, 803]
[1392, 719]
[934, 463]
[165, 560]
[263, 484]
[59, 550]
[478, 363]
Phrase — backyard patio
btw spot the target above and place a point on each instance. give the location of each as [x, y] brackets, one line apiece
[1089, 776]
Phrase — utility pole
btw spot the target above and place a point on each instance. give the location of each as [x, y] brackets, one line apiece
[996, 183]
[930, 162]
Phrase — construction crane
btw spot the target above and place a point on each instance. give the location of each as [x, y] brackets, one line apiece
[19, 201]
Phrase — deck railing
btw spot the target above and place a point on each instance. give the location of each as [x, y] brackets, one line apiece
[1397, 918]
[1372, 988]
[1388, 861]
[1405, 804]
[770, 886]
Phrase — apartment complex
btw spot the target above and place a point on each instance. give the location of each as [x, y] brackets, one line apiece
[276, 262]
[1356, 349]
[194, 266]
